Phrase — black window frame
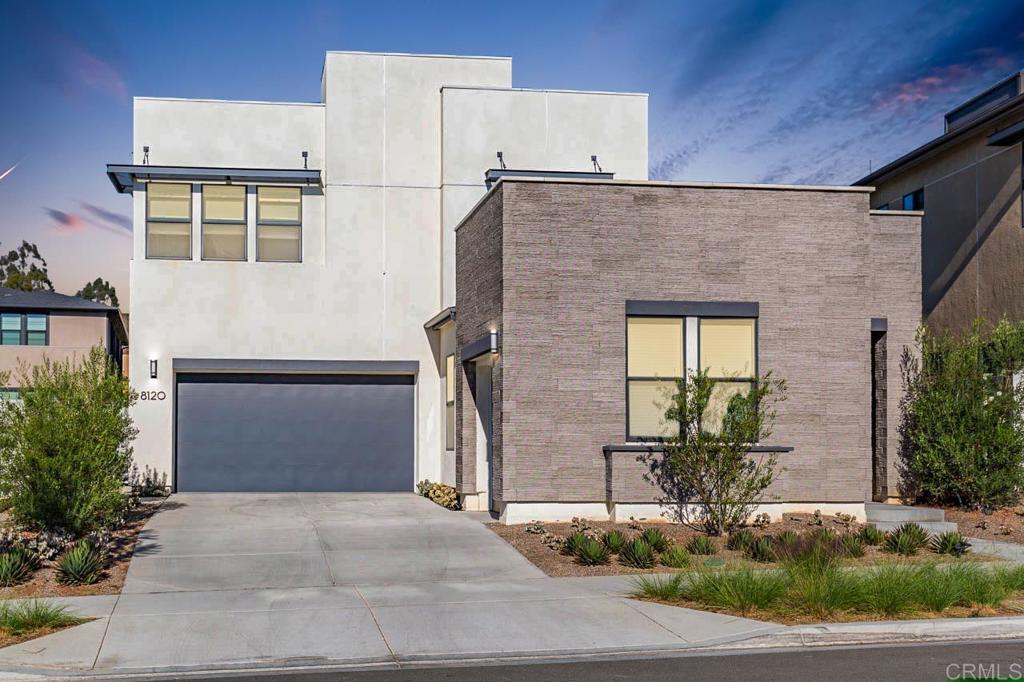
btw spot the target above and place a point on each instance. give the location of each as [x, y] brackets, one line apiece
[914, 201]
[176, 221]
[449, 403]
[630, 438]
[244, 223]
[23, 330]
[279, 223]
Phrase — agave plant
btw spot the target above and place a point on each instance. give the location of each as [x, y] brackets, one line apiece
[637, 553]
[870, 535]
[701, 544]
[760, 550]
[950, 543]
[573, 542]
[17, 565]
[614, 540]
[675, 557]
[593, 553]
[656, 539]
[81, 565]
[853, 545]
[739, 539]
[906, 539]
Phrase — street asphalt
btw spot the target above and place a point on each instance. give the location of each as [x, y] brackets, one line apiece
[906, 663]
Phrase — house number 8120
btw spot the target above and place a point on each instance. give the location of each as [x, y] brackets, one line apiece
[152, 395]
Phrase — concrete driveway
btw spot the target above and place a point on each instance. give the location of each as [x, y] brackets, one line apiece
[202, 542]
[224, 581]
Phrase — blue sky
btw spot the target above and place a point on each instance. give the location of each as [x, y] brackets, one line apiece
[764, 91]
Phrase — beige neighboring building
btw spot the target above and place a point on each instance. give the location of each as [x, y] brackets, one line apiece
[968, 183]
[43, 324]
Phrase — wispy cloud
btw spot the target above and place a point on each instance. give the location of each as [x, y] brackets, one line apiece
[65, 222]
[117, 220]
[93, 217]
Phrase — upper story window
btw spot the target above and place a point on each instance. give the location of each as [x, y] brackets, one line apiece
[728, 351]
[654, 360]
[279, 224]
[449, 402]
[24, 329]
[914, 201]
[168, 220]
[224, 222]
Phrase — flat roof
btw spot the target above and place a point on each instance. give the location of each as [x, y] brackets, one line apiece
[501, 88]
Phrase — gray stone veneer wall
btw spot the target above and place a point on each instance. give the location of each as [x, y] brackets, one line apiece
[553, 263]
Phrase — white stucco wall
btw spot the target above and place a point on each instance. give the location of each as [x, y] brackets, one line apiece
[374, 237]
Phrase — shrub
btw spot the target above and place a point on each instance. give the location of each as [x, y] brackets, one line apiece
[675, 557]
[950, 543]
[821, 587]
[785, 538]
[853, 545]
[637, 553]
[614, 540]
[65, 447]
[17, 565]
[760, 550]
[906, 539]
[739, 539]
[702, 545]
[937, 589]
[870, 535]
[81, 565]
[979, 586]
[593, 553]
[24, 616]
[656, 539]
[820, 543]
[962, 429]
[709, 472]
[663, 587]
[742, 589]
[1012, 578]
[574, 542]
[440, 494]
[889, 588]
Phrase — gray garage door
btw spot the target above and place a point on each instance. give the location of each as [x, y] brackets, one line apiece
[280, 433]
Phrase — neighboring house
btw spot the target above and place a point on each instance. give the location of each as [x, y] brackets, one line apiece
[43, 324]
[580, 301]
[286, 256]
[968, 182]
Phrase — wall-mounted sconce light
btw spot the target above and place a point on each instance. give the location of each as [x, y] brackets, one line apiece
[152, 369]
[494, 342]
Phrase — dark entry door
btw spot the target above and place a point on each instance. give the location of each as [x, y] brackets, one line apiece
[292, 433]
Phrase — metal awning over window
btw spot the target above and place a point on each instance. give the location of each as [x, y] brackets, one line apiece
[124, 177]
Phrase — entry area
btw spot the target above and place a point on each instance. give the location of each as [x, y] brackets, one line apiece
[264, 432]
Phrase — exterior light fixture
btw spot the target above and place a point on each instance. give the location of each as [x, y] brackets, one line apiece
[152, 369]
[494, 342]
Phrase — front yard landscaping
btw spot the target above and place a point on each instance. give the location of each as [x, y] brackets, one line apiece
[573, 549]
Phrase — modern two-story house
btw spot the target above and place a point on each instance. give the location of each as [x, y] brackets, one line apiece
[287, 255]
[43, 324]
[430, 274]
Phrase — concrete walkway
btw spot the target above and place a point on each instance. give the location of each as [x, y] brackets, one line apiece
[239, 581]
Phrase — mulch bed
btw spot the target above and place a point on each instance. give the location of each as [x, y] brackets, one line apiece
[558, 565]
[1004, 525]
[44, 581]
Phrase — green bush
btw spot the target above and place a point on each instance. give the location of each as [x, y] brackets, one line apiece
[889, 589]
[702, 545]
[656, 539]
[962, 427]
[675, 557]
[819, 544]
[662, 587]
[17, 565]
[637, 553]
[574, 542]
[853, 545]
[819, 586]
[741, 590]
[65, 447]
[950, 543]
[739, 539]
[593, 553]
[786, 538]
[81, 565]
[24, 616]
[1012, 578]
[906, 539]
[760, 550]
[870, 535]
[614, 540]
[937, 589]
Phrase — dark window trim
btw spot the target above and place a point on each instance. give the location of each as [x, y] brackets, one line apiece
[175, 221]
[449, 403]
[23, 329]
[278, 223]
[244, 222]
[629, 378]
[916, 200]
[692, 309]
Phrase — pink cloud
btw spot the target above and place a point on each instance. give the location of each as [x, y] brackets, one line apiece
[938, 81]
[65, 222]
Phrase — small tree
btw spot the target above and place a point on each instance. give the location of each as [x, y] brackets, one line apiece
[65, 446]
[715, 481]
[99, 290]
[962, 431]
[25, 269]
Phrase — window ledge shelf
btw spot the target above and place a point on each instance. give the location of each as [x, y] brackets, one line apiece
[658, 447]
